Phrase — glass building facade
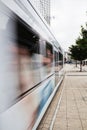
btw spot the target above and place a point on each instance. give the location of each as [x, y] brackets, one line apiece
[43, 6]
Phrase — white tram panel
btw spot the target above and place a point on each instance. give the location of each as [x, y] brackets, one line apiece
[24, 113]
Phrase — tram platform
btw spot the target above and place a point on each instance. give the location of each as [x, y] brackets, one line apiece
[68, 109]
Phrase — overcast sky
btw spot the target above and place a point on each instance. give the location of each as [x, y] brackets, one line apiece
[69, 16]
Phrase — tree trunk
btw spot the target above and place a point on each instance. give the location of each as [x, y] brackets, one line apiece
[81, 66]
[76, 63]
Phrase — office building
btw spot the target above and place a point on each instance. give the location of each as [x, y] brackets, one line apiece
[43, 6]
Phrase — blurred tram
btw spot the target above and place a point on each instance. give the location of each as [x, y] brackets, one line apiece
[31, 65]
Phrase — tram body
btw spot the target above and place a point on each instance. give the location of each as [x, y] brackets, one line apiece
[31, 66]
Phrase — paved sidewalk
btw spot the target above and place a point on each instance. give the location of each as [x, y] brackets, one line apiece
[73, 68]
[72, 112]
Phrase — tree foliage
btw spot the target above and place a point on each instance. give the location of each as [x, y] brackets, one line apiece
[79, 50]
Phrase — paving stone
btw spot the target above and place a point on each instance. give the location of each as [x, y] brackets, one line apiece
[72, 112]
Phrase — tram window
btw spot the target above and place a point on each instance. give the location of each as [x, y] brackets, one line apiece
[56, 61]
[29, 57]
[60, 60]
[48, 58]
[9, 72]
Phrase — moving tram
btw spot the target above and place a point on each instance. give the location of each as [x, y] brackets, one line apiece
[31, 65]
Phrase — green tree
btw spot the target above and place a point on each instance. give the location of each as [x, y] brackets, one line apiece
[73, 52]
[79, 50]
